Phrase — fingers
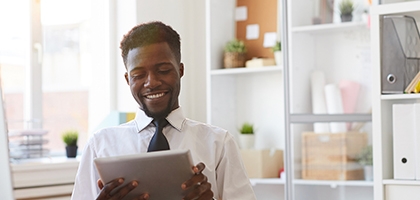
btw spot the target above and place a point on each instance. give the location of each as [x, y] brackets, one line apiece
[199, 168]
[207, 195]
[120, 193]
[100, 184]
[198, 186]
[198, 177]
[106, 189]
[200, 191]
[125, 190]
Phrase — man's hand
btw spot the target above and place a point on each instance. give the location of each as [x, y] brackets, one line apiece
[199, 188]
[108, 188]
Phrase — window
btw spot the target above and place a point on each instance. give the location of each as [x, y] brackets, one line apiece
[65, 71]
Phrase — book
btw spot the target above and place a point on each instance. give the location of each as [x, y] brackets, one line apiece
[414, 86]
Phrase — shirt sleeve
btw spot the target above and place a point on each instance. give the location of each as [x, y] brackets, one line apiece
[232, 180]
[85, 185]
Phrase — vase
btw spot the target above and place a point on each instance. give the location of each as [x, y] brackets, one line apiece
[346, 17]
[234, 60]
[71, 151]
[246, 141]
[278, 57]
[368, 172]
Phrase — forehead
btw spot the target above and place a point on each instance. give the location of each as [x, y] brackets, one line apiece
[152, 54]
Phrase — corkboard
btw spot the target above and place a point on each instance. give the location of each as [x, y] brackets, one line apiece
[263, 13]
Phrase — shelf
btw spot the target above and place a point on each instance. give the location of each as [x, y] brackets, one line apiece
[312, 118]
[243, 70]
[400, 182]
[267, 181]
[334, 184]
[330, 28]
[399, 96]
[397, 8]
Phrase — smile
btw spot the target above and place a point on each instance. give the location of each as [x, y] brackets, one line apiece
[155, 96]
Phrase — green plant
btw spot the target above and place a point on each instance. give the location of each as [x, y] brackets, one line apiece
[70, 137]
[366, 156]
[346, 7]
[235, 45]
[276, 47]
[247, 128]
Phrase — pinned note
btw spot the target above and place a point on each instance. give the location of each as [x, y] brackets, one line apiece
[252, 31]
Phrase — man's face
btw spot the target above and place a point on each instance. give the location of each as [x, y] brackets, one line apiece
[154, 77]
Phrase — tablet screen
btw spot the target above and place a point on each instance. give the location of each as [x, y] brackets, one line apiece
[159, 173]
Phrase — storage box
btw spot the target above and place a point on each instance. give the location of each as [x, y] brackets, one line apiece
[332, 156]
[264, 163]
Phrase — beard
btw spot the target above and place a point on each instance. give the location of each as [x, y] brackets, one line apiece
[157, 115]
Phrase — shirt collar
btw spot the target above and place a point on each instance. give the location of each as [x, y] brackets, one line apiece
[175, 118]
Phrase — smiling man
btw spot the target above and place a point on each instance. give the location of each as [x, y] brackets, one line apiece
[151, 55]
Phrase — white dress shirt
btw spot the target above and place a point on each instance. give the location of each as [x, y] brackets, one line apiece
[211, 145]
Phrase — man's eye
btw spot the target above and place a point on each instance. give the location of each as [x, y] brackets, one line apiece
[137, 76]
[164, 71]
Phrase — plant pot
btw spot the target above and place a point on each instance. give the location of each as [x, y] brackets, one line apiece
[346, 17]
[278, 57]
[246, 141]
[368, 172]
[234, 59]
[71, 151]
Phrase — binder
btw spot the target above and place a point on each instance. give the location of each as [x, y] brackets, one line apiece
[404, 141]
[417, 135]
[400, 52]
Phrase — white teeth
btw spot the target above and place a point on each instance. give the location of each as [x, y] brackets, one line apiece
[154, 96]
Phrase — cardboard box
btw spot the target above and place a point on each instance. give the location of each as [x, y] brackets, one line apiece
[332, 156]
[264, 163]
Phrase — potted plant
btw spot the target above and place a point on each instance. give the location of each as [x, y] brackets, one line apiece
[70, 139]
[234, 54]
[246, 138]
[365, 158]
[346, 10]
[278, 55]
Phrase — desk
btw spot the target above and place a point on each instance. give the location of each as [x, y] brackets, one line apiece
[44, 178]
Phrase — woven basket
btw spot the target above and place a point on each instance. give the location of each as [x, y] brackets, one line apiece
[234, 59]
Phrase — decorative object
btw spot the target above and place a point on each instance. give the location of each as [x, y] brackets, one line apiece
[278, 54]
[346, 10]
[262, 163]
[365, 158]
[332, 156]
[70, 139]
[246, 138]
[234, 54]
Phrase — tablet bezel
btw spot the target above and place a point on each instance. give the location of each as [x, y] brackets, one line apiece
[159, 173]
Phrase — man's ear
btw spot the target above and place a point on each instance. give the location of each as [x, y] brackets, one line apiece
[126, 78]
[181, 70]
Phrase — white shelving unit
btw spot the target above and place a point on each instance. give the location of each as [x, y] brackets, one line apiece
[238, 95]
[342, 52]
[386, 187]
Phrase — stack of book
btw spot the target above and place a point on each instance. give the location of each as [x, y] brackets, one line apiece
[414, 86]
[27, 143]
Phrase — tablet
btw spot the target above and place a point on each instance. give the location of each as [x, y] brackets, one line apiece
[158, 173]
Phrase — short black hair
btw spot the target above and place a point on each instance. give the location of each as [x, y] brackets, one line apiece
[150, 33]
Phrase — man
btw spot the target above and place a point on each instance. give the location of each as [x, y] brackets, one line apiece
[152, 57]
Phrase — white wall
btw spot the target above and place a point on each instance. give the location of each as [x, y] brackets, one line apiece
[187, 17]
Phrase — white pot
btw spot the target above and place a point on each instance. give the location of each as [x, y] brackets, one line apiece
[368, 171]
[278, 57]
[246, 141]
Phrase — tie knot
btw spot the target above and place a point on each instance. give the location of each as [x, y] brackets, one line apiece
[160, 123]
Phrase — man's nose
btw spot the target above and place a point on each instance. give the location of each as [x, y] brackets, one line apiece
[152, 81]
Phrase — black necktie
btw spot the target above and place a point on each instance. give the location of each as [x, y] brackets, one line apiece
[159, 141]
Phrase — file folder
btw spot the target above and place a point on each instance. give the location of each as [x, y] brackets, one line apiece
[400, 53]
[404, 141]
[417, 135]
